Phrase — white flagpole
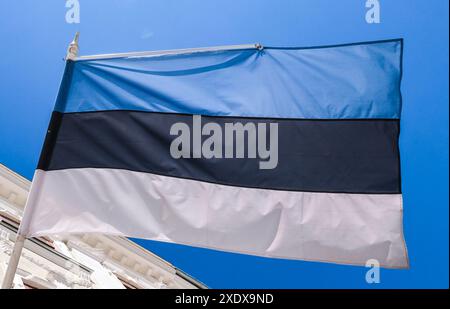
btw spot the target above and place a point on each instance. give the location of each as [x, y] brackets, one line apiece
[21, 237]
[13, 262]
[33, 196]
[8, 280]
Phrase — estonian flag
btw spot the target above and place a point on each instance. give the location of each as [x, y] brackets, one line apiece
[278, 152]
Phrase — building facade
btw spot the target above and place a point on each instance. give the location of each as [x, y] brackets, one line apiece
[85, 261]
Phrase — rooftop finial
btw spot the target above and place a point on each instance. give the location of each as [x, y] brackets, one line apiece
[72, 51]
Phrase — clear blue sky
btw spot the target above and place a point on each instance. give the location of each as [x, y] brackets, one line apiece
[34, 37]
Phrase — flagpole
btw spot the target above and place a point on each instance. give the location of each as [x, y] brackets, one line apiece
[13, 262]
[8, 280]
[23, 230]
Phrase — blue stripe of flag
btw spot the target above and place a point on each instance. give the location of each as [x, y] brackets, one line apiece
[337, 82]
